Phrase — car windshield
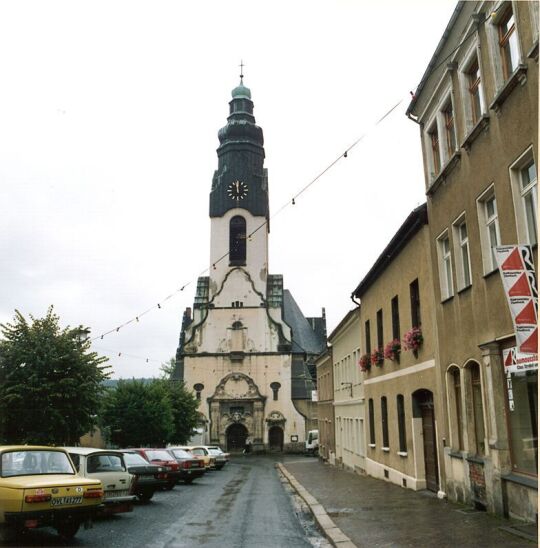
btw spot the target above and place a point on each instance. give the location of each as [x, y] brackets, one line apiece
[133, 459]
[29, 463]
[158, 455]
[214, 451]
[181, 454]
[199, 451]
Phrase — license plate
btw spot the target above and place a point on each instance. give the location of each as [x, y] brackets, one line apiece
[58, 501]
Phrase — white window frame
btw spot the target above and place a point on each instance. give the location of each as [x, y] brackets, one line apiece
[446, 277]
[492, 31]
[472, 55]
[462, 256]
[519, 193]
[485, 221]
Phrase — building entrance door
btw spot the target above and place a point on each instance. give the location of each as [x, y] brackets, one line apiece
[425, 403]
[236, 437]
[275, 438]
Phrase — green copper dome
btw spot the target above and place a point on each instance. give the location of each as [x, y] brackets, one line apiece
[241, 92]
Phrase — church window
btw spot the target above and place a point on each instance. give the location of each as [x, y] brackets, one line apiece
[275, 386]
[237, 241]
[198, 389]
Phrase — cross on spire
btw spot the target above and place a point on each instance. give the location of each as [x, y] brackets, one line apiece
[241, 65]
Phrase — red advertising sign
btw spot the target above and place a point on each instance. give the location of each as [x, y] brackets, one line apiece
[516, 267]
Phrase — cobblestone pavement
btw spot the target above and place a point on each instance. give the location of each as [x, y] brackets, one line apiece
[375, 513]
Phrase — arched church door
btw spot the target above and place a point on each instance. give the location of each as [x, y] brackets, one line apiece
[236, 437]
[275, 438]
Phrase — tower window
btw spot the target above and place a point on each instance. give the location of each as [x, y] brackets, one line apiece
[275, 386]
[237, 241]
[198, 389]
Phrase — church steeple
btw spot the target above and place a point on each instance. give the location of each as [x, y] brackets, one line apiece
[241, 179]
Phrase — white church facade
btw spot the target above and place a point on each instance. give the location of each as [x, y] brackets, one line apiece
[246, 350]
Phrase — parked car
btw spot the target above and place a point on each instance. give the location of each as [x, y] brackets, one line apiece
[148, 478]
[221, 458]
[162, 457]
[109, 467]
[190, 466]
[39, 487]
[202, 452]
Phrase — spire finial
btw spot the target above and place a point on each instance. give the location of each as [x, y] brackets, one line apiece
[241, 72]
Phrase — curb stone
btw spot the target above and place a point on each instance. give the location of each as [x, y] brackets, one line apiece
[333, 533]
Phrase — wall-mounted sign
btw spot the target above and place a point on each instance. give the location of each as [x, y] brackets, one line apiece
[516, 361]
[314, 395]
[294, 438]
[518, 276]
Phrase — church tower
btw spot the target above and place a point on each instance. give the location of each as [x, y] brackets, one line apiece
[247, 349]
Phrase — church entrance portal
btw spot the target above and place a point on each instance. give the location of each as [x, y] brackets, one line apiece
[236, 437]
[275, 438]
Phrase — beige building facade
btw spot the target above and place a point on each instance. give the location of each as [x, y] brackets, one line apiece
[477, 110]
[402, 387]
[325, 406]
[349, 403]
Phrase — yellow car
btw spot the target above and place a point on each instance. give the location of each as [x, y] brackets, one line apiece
[202, 453]
[40, 487]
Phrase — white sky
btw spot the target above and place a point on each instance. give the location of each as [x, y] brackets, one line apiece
[109, 113]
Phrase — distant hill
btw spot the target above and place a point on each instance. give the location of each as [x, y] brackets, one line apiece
[112, 383]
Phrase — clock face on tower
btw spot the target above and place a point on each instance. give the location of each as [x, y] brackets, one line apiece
[237, 190]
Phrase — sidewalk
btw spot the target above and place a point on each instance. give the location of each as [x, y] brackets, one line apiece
[373, 512]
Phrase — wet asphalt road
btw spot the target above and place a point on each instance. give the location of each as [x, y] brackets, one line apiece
[243, 505]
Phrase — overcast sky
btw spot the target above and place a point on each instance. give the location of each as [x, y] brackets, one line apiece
[109, 113]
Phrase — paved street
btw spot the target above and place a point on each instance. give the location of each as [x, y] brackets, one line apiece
[243, 505]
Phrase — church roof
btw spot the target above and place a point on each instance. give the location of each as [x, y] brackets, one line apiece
[305, 339]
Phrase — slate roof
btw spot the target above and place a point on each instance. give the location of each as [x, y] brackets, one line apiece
[305, 339]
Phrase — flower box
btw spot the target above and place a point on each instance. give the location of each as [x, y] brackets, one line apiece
[392, 350]
[365, 362]
[377, 357]
[413, 340]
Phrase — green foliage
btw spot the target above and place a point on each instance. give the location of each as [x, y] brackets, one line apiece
[136, 414]
[149, 414]
[50, 382]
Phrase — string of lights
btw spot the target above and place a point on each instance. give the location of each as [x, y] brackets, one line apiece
[290, 202]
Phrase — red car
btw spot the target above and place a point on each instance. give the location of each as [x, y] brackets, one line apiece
[162, 457]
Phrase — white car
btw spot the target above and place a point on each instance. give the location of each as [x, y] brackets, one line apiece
[221, 458]
[109, 467]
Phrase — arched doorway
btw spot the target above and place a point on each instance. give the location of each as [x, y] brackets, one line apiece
[424, 410]
[275, 438]
[236, 437]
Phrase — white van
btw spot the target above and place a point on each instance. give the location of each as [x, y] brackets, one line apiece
[312, 442]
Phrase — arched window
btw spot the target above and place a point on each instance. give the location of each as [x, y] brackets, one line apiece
[478, 408]
[401, 423]
[275, 386]
[454, 376]
[198, 389]
[237, 241]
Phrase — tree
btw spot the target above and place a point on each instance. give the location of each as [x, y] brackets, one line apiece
[184, 405]
[50, 382]
[138, 414]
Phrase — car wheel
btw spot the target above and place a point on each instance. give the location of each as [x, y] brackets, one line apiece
[145, 496]
[68, 529]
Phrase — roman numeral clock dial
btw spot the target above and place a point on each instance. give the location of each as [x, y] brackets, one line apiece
[237, 190]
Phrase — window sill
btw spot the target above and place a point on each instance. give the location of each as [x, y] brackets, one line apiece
[386, 449]
[456, 455]
[237, 263]
[464, 289]
[519, 76]
[481, 126]
[490, 273]
[445, 171]
[447, 299]
[527, 481]
[533, 52]
[475, 458]
[402, 453]
[372, 445]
